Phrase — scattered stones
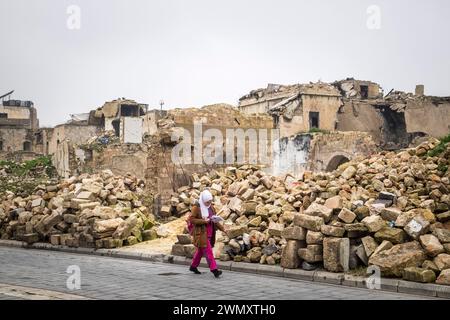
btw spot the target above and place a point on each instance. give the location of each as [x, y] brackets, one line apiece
[336, 254]
[442, 261]
[332, 231]
[312, 253]
[374, 223]
[236, 231]
[308, 222]
[431, 245]
[443, 217]
[254, 255]
[294, 233]
[390, 214]
[385, 245]
[184, 239]
[349, 173]
[275, 229]
[289, 257]
[270, 249]
[370, 245]
[444, 277]
[318, 210]
[362, 255]
[430, 265]
[313, 237]
[416, 227]
[419, 275]
[442, 234]
[393, 235]
[392, 262]
[347, 216]
[309, 266]
[362, 212]
[334, 203]
[86, 211]
[367, 212]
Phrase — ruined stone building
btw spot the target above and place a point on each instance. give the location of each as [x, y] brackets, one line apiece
[396, 119]
[316, 126]
[18, 123]
[393, 120]
[125, 119]
[297, 108]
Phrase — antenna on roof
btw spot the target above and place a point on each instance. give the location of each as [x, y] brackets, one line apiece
[7, 94]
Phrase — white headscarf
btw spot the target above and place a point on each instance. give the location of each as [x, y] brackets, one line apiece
[205, 196]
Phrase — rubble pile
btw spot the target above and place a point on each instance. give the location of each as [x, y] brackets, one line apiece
[22, 178]
[100, 210]
[391, 210]
[101, 141]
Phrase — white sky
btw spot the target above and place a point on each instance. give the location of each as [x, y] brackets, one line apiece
[198, 52]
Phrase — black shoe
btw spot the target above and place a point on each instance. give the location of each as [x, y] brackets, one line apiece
[217, 273]
[194, 270]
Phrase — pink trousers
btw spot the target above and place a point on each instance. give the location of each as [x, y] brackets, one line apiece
[208, 254]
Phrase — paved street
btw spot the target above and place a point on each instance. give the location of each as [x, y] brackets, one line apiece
[112, 278]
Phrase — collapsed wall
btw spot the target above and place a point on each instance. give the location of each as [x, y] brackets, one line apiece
[319, 152]
[396, 120]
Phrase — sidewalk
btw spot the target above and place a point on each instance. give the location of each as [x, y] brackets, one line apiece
[391, 285]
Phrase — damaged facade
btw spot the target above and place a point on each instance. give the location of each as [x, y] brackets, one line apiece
[393, 120]
[123, 116]
[18, 125]
[122, 119]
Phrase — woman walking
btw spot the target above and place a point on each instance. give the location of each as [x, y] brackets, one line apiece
[204, 233]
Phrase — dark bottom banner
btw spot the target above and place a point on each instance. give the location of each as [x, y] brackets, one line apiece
[260, 310]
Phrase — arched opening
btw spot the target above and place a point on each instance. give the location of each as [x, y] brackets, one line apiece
[27, 146]
[335, 162]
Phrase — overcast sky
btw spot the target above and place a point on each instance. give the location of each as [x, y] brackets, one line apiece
[198, 52]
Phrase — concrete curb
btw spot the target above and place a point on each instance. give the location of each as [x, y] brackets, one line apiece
[321, 276]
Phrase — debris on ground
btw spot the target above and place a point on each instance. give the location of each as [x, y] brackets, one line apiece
[391, 210]
[100, 210]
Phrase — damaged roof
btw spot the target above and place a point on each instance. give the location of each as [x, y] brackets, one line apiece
[111, 109]
[317, 88]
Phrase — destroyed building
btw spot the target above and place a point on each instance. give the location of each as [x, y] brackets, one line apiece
[125, 120]
[297, 108]
[124, 117]
[18, 123]
[394, 120]
[318, 127]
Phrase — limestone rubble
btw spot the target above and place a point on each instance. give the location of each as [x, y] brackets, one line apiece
[391, 210]
[99, 210]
